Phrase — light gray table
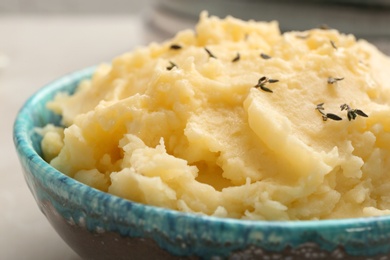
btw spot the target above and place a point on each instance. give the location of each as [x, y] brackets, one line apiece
[39, 50]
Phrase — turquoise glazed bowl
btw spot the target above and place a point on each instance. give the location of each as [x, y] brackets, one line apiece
[102, 226]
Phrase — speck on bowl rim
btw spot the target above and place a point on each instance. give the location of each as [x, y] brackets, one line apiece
[182, 234]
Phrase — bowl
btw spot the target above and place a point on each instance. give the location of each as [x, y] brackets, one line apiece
[97, 225]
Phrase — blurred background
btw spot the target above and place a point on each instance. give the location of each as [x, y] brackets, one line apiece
[364, 18]
[44, 7]
[41, 40]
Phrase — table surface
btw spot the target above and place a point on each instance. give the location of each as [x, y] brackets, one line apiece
[39, 50]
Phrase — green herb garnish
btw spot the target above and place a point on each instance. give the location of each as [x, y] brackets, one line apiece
[237, 58]
[265, 56]
[175, 47]
[352, 113]
[333, 44]
[325, 116]
[211, 55]
[171, 65]
[333, 116]
[263, 81]
[332, 80]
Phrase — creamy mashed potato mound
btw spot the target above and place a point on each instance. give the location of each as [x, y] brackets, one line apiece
[235, 120]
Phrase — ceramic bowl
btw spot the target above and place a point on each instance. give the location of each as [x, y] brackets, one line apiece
[102, 226]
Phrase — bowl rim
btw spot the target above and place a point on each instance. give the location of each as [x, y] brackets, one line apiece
[44, 172]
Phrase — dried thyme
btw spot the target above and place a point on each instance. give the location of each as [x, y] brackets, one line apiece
[352, 113]
[237, 58]
[325, 116]
[333, 117]
[333, 44]
[171, 65]
[273, 80]
[332, 80]
[211, 55]
[175, 47]
[265, 56]
[263, 81]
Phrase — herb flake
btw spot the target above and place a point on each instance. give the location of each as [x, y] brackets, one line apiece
[237, 58]
[265, 56]
[211, 55]
[332, 80]
[333, 117]
[360, 113]
[175, 46]
[325, 116]
[171, 65]
[333, 44]
[273, 80]
[263, 81]
[320, 108]
[352, 113]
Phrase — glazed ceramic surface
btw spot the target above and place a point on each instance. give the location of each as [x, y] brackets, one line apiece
[102, 226]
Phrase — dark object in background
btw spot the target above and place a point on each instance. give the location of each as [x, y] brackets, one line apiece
[368, 19]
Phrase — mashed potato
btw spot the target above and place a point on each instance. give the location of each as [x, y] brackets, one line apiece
[235, 120]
